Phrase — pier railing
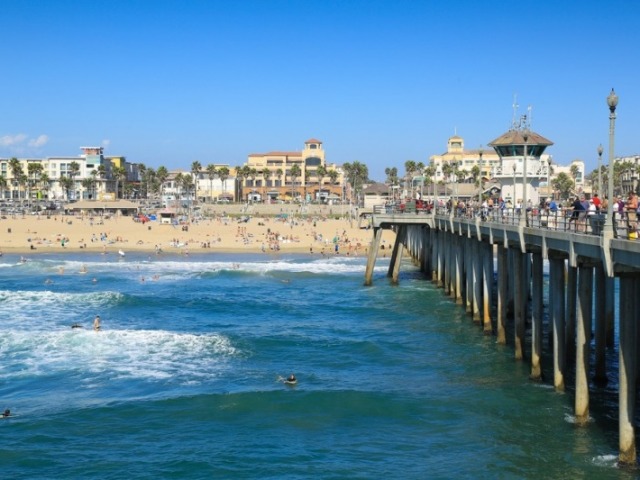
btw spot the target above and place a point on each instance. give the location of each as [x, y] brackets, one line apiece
[566, 220]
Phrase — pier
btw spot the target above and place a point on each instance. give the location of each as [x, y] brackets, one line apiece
[492, 266]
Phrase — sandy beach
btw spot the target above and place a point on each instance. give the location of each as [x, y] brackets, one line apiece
[32, 234]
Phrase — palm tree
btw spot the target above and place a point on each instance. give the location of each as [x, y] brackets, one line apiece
[430, 171]
[119, 174]
[357, 174]
[188, 185]
[409, 168]
[196, 168]
[211, 174]
[266, 174]
[321, 172]
[333, 178]
[223, 174]
[88, 183]
[161, 176]
[177, 182]
[420, 170]
[16, 171]
[66, 184]
[3, 185]
[44, 182]
[34, 170]
[294, 173]
[74, 171]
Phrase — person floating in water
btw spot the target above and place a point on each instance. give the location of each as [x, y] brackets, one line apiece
[6, 413]
[291, 380]
[76, 325]
[96, 323]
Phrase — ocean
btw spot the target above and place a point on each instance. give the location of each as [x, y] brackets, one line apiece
[183, 380]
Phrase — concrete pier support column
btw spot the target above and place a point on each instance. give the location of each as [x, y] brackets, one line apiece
[447, 263]
[373, 253]
[537, 310]
[583, 342]
[572, 290]
[557, 290]
[600, 376]
[396, 256]
[487, 284]
[519, 303]
[468, 276]
[477, 281]
[459, 269]
[441, 243]
[435, 233]
[609, 313]
[627, 366]
[503, 279]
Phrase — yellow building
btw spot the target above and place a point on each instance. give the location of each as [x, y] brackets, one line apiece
[301, 176]
[463, 161]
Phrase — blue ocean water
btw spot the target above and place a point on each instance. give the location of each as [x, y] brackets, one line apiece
[182, 382]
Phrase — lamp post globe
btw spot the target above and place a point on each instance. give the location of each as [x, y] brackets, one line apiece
[612, 102]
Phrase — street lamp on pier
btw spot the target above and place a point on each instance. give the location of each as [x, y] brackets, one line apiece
[480, 165]
[523, 219]
[600, 150]
[612, 102]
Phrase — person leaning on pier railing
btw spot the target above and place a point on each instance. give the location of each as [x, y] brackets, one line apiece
[632, 215]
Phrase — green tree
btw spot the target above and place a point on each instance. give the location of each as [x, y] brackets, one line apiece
[563, 184]
[196, 168]
[223, 174]
[3, 186]
[357, 174]
[162, 174]
[119, 175]
[294, 173]
[66, 184]
[16, 172]
[266, 175]
[212, 171]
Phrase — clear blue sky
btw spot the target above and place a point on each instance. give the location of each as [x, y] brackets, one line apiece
[381, 82]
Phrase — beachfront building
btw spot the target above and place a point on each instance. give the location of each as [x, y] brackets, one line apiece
[184, 187]
[298, 176]
[522, 167]
[457, 163]
[89, 176]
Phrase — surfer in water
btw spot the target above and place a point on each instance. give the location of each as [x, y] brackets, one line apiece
[291, 380]
[76, 325]
[6, 413]
[96, 323]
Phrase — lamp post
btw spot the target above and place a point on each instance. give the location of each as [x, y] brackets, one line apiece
[612, 102]
[600, 150]
[514, 190]
[523, 219]
[480, 153]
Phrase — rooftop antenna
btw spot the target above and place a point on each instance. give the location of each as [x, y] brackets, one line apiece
[515, 111]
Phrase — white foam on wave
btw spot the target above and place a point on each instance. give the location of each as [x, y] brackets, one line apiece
[116, 354]
[25, 308]
[332, 264]
[608, 460]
